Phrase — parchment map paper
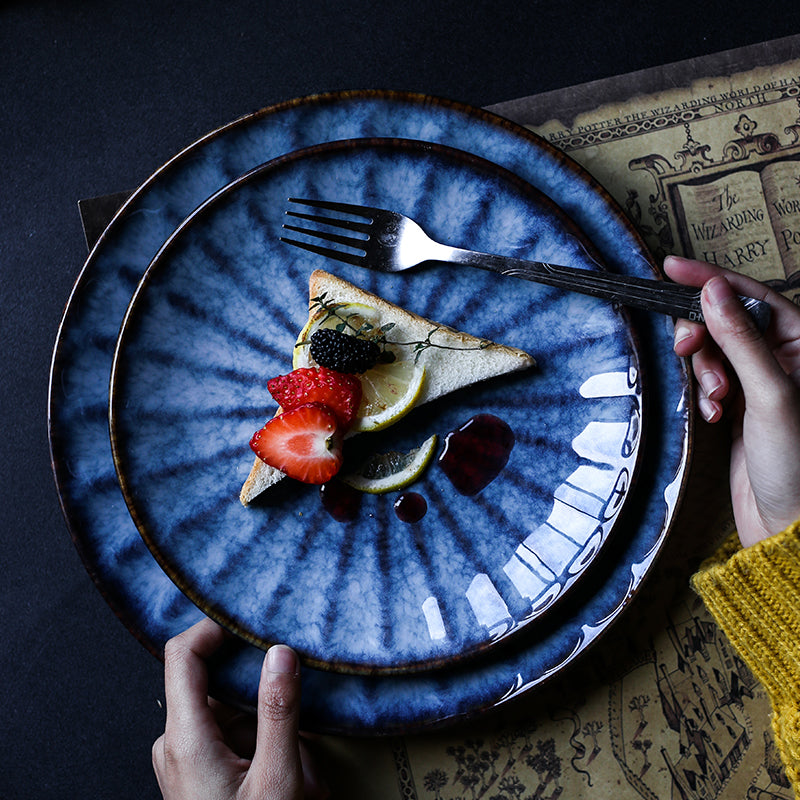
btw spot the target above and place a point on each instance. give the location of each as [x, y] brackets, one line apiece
[662, 707]
[709, 171]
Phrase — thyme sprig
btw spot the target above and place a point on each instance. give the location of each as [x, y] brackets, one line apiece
[378, 335]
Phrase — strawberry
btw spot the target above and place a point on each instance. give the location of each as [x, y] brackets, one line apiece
[305, 443]
[340, 392]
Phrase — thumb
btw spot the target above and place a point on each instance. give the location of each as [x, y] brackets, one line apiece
[276, 769]
[733, 329]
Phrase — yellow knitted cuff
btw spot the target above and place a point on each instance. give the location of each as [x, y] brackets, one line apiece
[754, 595]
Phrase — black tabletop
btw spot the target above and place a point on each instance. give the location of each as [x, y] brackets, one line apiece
[94, 96]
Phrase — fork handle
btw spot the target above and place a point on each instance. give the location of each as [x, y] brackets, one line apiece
[665, 297]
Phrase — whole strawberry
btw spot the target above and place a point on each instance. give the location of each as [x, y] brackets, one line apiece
[304, 443]
[340, 392]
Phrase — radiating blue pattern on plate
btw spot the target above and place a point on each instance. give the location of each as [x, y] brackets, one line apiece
[130, 578]
[217, 315]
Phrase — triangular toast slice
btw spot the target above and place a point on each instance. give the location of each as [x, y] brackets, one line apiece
[463, 361]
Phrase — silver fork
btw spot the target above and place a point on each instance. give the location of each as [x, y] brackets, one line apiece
[392, 242]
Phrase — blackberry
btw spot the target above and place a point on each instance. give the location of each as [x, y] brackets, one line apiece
[338, 351]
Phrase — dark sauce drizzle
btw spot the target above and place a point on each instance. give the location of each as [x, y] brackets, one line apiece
[341, 501]
[475, 454]
[410, 507]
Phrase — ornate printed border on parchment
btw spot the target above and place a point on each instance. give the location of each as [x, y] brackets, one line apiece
[737, 216]
[709, 168]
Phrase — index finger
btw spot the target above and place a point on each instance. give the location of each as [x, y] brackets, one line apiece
[186, 676]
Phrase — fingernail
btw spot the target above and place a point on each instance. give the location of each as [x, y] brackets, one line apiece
[710, 411]
[717, 290]
[281, 660]
[710, 383]
[682, 331]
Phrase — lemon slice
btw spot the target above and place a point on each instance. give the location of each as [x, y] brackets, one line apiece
[389, 392]
[387, 472]
[356, 314]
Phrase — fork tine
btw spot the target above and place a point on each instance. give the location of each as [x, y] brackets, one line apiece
[348, 241]
[361, 227]
[339, 255]
[345, 208]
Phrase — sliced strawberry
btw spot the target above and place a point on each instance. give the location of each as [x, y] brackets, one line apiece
[340, 392]
[305, 443]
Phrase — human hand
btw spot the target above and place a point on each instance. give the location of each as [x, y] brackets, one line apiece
[194, 759]
[758, 378]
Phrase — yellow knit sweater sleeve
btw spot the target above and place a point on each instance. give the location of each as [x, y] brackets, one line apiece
[754, 595]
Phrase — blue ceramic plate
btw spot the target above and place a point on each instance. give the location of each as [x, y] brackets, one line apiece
[217, 314]
[124, 570]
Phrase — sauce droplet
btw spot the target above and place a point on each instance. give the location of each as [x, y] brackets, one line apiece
[410, 507]
[341, 501]
[475, 454]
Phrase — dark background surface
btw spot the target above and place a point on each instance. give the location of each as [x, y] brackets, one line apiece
[94, 96]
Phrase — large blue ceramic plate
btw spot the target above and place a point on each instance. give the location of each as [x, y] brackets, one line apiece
[126, 573]
[217, 314]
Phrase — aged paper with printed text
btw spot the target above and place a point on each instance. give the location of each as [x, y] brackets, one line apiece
[710, 171]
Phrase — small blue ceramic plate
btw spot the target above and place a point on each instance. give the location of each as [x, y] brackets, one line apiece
[217, 315]
[125, 572]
